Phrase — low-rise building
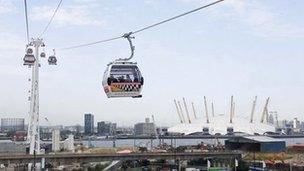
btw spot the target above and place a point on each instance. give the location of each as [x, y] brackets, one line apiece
[12, 124]
[106, 128]
[146, 128]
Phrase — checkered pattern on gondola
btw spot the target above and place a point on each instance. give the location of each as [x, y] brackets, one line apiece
[128, 87]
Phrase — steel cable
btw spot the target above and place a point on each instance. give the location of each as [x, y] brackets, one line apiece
[49, 23]
[145, 28]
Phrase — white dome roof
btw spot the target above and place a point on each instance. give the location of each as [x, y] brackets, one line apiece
[219, 124]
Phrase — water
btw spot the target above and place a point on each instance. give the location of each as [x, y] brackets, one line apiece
[175, 143]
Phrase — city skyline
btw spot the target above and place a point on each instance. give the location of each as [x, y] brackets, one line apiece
[238, 48]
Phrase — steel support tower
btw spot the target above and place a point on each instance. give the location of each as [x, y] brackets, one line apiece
[33, 136]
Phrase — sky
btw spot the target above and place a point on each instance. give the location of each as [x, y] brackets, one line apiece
[238, 47]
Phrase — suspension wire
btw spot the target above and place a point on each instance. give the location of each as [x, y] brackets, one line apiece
[49, 23]
[178, 16]
[92, 43]
[145, 28]
[26, 22]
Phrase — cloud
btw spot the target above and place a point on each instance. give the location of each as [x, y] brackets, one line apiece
[10, 41]
[255, 16]
[72, 15]
[263, 20]
[6, 6]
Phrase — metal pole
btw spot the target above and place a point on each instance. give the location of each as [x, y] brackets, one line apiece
[231, 109]
[193, 108]
[178, 112]
[206, 109]
[181, 111]
[186, 109]
[212, 107]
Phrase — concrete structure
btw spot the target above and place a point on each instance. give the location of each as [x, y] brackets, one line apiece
[88, 124]
[12, 124]
[256, 143]
[144, 129]
[106, 128]
[8, 147]
[55, 140]
[96, 157]
[69, 143]
[221, 125]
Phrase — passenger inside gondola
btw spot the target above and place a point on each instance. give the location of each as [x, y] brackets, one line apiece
[136, 80]
[111, 80]
[128, 79]
[121, 79]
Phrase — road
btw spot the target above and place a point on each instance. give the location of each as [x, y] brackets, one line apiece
[57, 159]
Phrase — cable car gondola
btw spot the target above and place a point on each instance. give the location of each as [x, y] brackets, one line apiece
[123, 78]
[52, 59]
[29, 58]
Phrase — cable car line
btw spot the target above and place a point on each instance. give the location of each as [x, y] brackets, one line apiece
[178, 16]
[49, 23]
[92, 43]
[145, 28]
[26, 22]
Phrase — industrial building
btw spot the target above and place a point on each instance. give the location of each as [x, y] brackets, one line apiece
[146, 128]
[12, 124]
[256, 143]
[106, 128]
[88, 124]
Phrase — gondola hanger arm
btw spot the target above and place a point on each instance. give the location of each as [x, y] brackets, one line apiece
[129, 38]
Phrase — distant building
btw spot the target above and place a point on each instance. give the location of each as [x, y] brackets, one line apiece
[106, 128]
[74, 128]
[55, 140]
[88, 124]
[271, 119]
[144, 129]
[12, 124]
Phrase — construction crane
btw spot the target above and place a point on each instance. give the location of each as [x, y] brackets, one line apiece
[253, 109]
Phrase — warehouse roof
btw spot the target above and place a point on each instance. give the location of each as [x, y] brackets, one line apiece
[262, 139]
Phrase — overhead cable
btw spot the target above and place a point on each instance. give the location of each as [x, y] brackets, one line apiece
[178, 16]
[92, 43]
[49, 23]
[26, 22]
[145, 28]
